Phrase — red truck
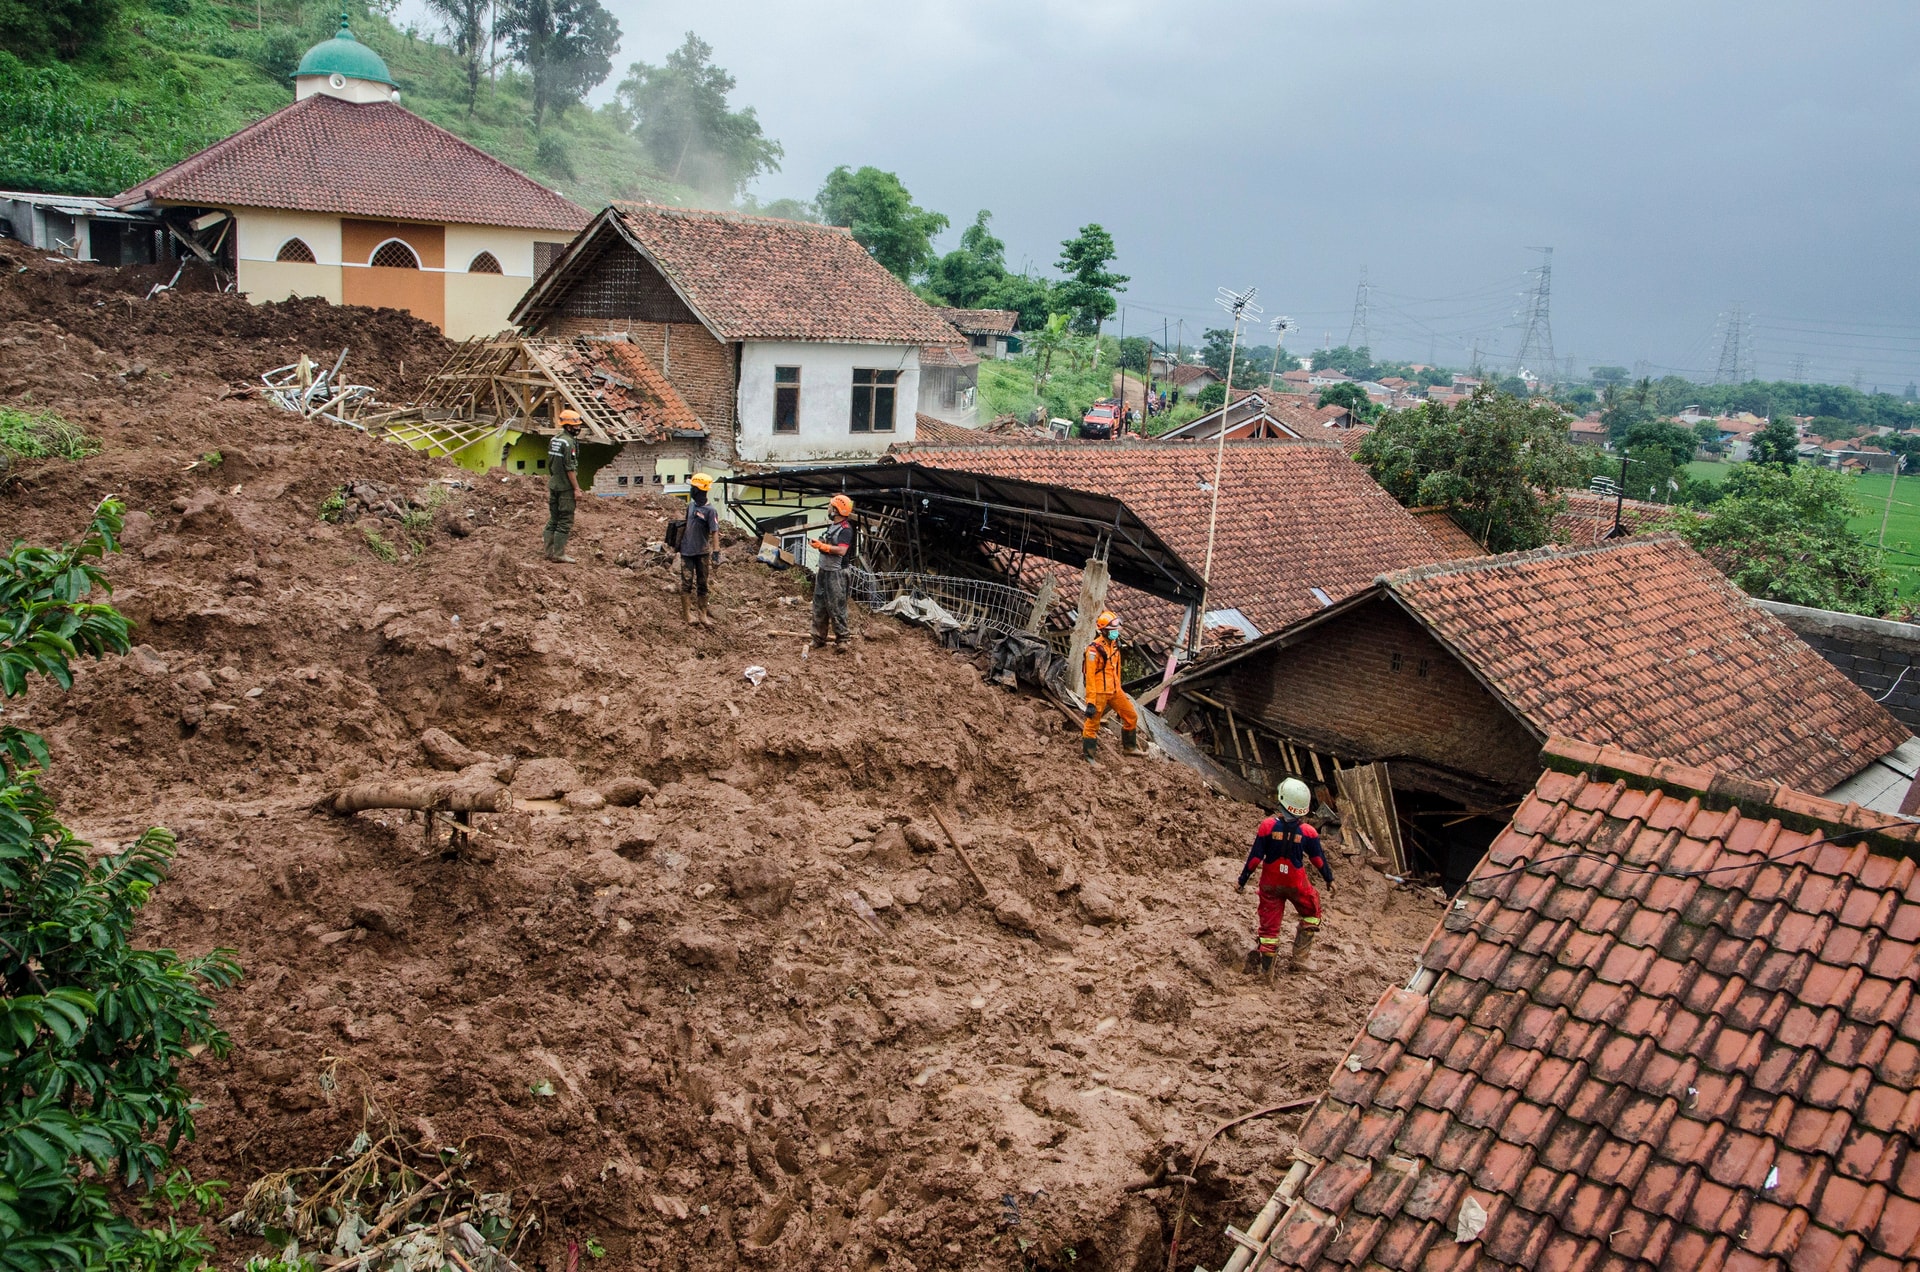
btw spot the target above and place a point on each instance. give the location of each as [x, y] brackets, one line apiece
[1103, 420]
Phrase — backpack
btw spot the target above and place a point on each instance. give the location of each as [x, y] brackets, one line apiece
[676, 529]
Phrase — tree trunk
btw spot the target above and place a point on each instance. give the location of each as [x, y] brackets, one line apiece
[444, 796]
[1093, 598]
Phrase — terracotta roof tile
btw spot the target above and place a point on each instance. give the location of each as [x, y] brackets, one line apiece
[948, 355]
[1588, 517]
[759, 278]
[1642, 643]
[984, 322]
[1455, 544]
[1636, 1144]
[1278, 500]
[1185, 373]
[372, 159]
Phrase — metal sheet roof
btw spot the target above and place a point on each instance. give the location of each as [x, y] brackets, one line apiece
[1056, 522]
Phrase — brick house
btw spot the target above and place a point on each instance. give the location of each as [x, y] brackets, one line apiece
[790, 343]
[1668, 1023]
[348, 196]
[1454, 674]
[1277, 555]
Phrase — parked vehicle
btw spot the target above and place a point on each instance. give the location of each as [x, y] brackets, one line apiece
[1103, 419]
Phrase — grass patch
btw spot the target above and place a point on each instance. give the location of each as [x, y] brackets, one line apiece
[1704, 470]
[378, 545]
[40, 435]
[1006, 387]
[1903, 524]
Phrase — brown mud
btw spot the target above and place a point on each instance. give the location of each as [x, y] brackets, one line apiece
[779, 1027]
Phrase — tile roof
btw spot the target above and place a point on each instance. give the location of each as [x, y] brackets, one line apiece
[759, 278]
[1349, 439]
[1183, 373]
[931, 430]
[1641, 643]
[1588, 517]
[372, 159]
[983, 322]
[1294, 515]
[1455, 544]
[1664, 1025]
[948, 355]
[617, 376]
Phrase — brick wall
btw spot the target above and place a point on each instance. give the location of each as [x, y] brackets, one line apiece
[700, 368]
[640, 464]
[1880, 656]
[1371, 684]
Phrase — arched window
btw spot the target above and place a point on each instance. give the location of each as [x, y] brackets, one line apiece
[295, 250]
[485, 263]
[394, 254]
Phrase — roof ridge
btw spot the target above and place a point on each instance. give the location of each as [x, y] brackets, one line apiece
[725, 214]
[1420, 573]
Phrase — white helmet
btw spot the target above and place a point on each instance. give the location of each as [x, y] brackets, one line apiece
[1295, 797]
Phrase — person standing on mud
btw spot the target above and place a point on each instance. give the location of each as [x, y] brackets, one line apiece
[1282, 847]
[563, 486]
[1103, 692]
[834, 545]
[699, 550]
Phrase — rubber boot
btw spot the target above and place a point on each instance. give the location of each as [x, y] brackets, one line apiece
[1266, 965]
[1302, 946]
[1088, 747]
[1251, 963]
[686, 610]
[1130, 742]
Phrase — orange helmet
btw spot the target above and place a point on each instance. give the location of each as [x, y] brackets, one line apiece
[1108, 621]
[841, 505]
[569, 419]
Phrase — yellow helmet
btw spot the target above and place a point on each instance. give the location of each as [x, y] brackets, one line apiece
[700, 481]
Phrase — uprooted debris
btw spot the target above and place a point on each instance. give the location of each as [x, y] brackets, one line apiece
[301, 386]
[386, 1205]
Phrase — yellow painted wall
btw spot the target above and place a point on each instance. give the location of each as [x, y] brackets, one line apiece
[478, 304]
[512, 248]
[262, 232]
[277, 280]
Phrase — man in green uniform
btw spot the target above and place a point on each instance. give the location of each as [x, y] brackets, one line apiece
[563, 486]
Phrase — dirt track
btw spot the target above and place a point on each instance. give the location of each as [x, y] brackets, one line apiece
[744, 1069]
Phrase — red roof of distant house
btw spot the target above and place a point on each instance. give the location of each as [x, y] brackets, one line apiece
[1455, 544]
[944, 355]
[1349, 439]
[1396, 382]
[1294, 515]
[1642, 643]
[752, 277]
[1185, 373]
[981, 322]
[1664, 1025]
[372, 159]
[1296, 377]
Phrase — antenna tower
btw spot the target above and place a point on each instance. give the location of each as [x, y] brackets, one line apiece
[1358, 337]
[1735, 348]
[1799, 373]
[1536, 342]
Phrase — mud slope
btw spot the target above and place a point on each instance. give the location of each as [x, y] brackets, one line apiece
[778, 1027]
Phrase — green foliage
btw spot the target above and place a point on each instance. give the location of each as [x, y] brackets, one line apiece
[28, 434]
[1656, 454]
[567, 46]
[1707, 434]
[784, 209]
[1356, 363]
[43, 29]
[1013, 386]
[683, 122]
[1608, 375]
[967, 276]
[1776, 444]
[1495, 462]
[1354, 398]
[1213, 397]
[883, 217]
[1781, 533]
[1087, 290]
[92, 1030]
[467, 25]
[1031, 298]
[1134, 353]
[378, 545]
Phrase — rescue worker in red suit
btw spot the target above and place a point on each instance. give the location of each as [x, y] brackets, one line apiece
[1281, 850]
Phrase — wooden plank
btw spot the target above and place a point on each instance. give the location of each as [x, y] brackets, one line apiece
[1185, 752]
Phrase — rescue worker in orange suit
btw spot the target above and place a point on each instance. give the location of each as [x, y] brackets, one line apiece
[1103, 690]
[1282, 848]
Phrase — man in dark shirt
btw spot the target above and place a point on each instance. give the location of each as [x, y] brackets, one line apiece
[563, 487]
[699, 548]
[1282, 847]
[834, 544]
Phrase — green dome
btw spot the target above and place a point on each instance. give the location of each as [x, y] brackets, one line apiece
[344, 55]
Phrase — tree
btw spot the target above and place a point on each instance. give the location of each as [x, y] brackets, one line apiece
[1134, 353]
[1354, 398]
[1047, 339]
[681, 117]
[1623, 408]
[1656, 453]
[1777, 444]
[883, 217]
[1087, 290]
[92, 1029]
[1495, 462]
[1357, 363]
[781, 209]
[38, 29]
[466, 22]
[966, 277]
[1608, 375]
[1213, 397]
[566, 45]
[1707, 433]
[1031, 298]
[1780, 533]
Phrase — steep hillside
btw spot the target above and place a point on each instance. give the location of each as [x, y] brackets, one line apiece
[172, 76]
[762, 1013]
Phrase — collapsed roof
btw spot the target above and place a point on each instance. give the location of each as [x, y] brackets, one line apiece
[1669, 1022]
[525, 382]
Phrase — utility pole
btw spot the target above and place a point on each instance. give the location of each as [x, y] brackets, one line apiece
[1280, 327]
[1899, 462]
[1536, 341]
[1359, 325]
[1241, 306]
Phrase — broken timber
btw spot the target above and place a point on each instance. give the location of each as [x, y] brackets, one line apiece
[425, 797]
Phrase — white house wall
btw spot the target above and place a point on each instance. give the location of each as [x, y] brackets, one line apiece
[826, 400]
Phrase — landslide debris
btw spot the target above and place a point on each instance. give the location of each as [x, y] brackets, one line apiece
[745, 1005]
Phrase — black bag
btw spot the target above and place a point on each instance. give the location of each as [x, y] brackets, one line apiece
[676, 529]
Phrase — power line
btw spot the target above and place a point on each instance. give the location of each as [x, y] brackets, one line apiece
[1359, 324]
[1732, 368]
[1536, 341]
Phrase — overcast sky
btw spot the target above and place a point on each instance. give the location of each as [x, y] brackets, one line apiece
[1680, 156]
